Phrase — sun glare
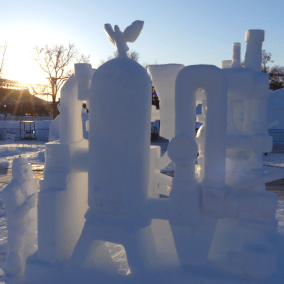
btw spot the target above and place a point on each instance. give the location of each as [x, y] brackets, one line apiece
[27, 72]
[21, 41]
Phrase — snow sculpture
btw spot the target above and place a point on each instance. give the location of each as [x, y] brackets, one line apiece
[64, 173]
[112, 197]
[20, 199]
[226, 64]
[54, 130]
[186, 219]
[236, 62]
[164, 77]
[218, 217]
[243, 247]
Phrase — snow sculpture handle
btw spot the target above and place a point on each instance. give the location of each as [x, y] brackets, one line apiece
[83, 74]
[214, 82]
[254, 39]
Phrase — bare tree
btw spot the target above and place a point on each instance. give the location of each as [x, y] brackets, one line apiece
[134, 55]
[276, 73]
[266, 58]
[3, 49]
[276, 77]
[56, 61]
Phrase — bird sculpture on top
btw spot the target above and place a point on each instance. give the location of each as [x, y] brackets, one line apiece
[120, 39]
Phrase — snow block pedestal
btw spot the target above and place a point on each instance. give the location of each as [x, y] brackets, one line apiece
[166, 270]
[61, 206]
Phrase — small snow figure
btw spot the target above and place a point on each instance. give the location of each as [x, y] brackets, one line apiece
[20, 199]
[120, 39]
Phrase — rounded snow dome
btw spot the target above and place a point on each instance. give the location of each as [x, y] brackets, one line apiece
[120, 71]
[119, 137]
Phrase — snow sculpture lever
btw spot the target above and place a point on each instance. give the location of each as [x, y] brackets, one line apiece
[192, 231]
[120, 39]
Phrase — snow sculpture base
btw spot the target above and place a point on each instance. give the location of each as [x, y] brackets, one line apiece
[165, 270]
[61, 205]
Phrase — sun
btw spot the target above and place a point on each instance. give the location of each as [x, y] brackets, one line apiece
[19, 65]
[25, 71]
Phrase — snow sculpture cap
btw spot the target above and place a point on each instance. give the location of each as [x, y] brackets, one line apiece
[254, 35]
[120, 39]
[18, 162]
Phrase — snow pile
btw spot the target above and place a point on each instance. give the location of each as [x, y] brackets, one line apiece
[275, 108]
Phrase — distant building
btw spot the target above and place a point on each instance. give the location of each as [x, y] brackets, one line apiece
[15, 99]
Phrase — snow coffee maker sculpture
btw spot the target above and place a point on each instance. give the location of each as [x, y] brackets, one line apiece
[118, 195]
[180, 239]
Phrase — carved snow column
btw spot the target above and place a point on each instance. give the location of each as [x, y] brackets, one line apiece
[63, 192]
[242, 246]
[164, 78]
[119, 137]
[255, 115]
[192, 230]
[254, 39]
[253, 57]
[121, 108]
[119, 159]
[234, 107]
[236, 62]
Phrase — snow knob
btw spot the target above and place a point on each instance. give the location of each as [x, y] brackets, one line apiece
[182, 149]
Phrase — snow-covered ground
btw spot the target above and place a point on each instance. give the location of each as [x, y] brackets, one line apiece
[274, 159]
[39, 124]
[34, 152]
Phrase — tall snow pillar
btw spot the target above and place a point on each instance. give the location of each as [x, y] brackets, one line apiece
[164, 78]
[254, 39]
[236, 62]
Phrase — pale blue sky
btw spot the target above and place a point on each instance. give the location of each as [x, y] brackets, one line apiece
[181, 31]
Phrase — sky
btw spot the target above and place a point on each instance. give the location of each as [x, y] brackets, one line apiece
[181, 31]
